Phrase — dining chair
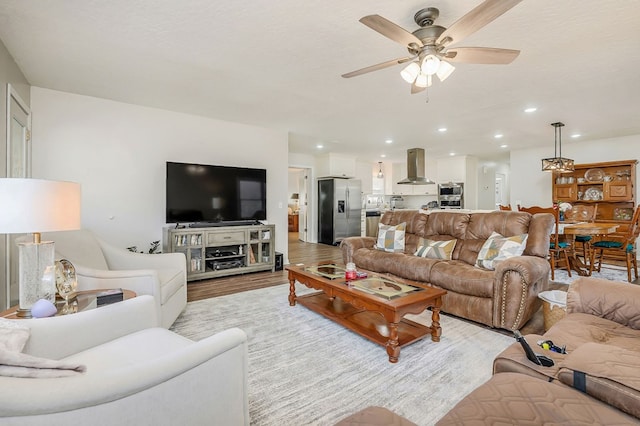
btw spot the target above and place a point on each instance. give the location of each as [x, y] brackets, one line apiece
[619, 246]
[558, 250]
[507, 207]
[582, 213]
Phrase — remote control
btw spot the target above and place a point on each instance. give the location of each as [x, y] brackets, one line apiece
[532, 356]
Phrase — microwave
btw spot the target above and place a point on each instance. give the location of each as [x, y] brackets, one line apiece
[450, 195]
[450, 189]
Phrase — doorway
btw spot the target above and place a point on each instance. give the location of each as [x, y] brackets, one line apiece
[299, 203]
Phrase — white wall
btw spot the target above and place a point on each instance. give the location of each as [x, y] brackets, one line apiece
[118, 151]
[486, 172]
[532, 186]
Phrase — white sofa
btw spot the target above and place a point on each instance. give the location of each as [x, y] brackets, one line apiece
[100, 265]
[137, 373]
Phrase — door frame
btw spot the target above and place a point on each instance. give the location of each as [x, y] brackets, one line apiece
[10, 248]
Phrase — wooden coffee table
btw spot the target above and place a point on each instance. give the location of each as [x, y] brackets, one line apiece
[378, 317]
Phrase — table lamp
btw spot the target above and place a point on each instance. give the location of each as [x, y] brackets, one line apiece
[35, 206]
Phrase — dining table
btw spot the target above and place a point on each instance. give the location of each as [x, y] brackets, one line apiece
[584, 228]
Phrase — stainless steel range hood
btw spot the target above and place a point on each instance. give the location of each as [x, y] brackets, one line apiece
[415, 168]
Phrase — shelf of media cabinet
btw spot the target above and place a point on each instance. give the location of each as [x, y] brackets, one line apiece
[223, 250]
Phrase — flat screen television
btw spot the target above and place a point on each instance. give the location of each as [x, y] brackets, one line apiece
[215, 194]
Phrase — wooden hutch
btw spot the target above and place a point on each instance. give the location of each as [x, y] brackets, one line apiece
[612, 185]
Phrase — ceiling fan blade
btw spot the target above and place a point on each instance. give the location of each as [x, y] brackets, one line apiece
[416, 89]
[390, 30]
[474, 20]
[481, 55]
[378, 67]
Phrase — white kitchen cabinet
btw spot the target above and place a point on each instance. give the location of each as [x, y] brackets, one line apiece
[452, 169]
[336, 165]
[364, 173]
[430, 189]
[399, 172]
[378, 186]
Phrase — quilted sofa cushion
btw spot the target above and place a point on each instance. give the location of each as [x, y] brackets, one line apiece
[609, 373]
[511, 398]
[375, 416]
[578, 328]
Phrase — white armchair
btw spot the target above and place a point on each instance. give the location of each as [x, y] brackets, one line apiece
[101, 265]
[137, 373]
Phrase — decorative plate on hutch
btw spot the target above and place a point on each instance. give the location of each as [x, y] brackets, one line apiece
[594, 175]
[592, 194]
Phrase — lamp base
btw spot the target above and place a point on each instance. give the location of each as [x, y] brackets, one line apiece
[37, 275]
[24, 313]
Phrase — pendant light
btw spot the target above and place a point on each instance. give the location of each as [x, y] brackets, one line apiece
[380, 174]
[558, 163]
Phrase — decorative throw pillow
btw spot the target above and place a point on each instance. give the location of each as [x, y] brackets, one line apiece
[498, 248]
[435, 249]
[391, 238]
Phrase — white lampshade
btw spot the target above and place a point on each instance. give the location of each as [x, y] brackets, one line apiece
[423, 80]
[38, 205]
[430, 64]
[410, 72]
[445, 70]
[35, 206]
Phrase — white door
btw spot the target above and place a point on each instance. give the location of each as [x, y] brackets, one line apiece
[303, 204]
[18, 166]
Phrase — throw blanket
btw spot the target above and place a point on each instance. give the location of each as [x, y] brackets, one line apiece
[17, 364]
[13, 363]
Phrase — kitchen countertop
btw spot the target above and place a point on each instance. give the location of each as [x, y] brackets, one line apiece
[427, 211]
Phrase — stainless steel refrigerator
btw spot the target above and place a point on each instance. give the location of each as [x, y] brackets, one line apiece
[339, 208]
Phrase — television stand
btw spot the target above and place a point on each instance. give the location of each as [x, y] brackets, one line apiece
[223, 248]
[223, 223]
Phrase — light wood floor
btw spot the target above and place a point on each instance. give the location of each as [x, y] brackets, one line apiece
[299, 252]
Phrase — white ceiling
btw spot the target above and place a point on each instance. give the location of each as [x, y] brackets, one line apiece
[278, 64]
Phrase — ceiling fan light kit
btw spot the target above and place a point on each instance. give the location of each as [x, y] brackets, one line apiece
[430, 43]
[445, 70]
[410, 72]
[558, 163]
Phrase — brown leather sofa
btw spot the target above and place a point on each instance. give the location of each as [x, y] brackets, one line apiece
[506, 297]
[596, 382]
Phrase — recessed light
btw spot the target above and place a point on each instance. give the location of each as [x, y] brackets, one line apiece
[452, 154]
[531, 109]
[442, 129]
[498, 135]
[576, 135]
[319, 146]
[504, 145]
[388, 141]
[383, 155]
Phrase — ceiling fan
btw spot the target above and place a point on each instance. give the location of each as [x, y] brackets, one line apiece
[428, 46]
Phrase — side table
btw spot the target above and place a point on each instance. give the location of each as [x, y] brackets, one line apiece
[554, 306]
[82, 301]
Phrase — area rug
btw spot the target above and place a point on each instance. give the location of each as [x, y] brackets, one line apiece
[612, 273]
[307, 370]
